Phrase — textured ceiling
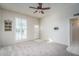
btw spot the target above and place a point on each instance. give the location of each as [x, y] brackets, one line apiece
[24, 8]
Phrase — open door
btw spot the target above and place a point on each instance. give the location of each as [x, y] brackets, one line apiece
[74, 36]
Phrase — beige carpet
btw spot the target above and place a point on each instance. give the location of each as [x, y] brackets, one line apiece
[35, 48]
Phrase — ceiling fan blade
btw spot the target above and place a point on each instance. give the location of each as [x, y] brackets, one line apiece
[33, 7]
[46, 8]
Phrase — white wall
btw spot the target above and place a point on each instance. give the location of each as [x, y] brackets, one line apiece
[0, 26]
[59, 17]
[8, 37]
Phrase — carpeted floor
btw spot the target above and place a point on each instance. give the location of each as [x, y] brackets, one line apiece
[35, 48]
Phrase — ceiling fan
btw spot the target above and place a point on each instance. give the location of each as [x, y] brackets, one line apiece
[40, 8]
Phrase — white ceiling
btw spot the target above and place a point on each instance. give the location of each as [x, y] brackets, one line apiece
[24, 8]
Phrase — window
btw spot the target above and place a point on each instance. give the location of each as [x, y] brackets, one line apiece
[21, 29]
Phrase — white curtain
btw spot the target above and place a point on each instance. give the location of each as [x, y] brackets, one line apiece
[21, 29]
